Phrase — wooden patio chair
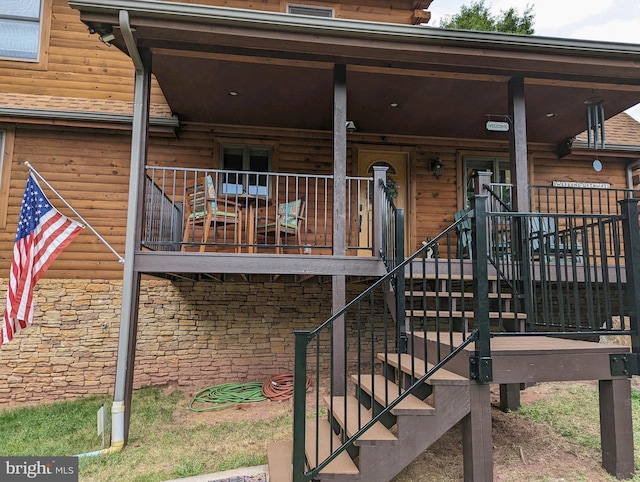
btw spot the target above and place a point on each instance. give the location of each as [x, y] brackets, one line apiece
[547, 241]
[464, 234]
[205, 211]
[287, 223]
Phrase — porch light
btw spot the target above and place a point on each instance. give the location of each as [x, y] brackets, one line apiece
[107, 38]
[351, 126]
[437, 167]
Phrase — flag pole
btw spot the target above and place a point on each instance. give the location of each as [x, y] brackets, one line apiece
[104, 241]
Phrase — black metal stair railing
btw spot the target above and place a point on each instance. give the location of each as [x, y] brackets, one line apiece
[569, 274]
[162, 229]
[569, 270]
[350, 346]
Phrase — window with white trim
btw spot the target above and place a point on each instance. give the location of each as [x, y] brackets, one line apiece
[21, 27]
[251, 159]
[310, 10]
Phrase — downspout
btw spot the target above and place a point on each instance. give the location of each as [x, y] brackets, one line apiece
[118, 430]
[126, 346]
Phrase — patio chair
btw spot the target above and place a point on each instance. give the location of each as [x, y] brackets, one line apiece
[548, 242]
[286, 223]
[205, 211]
[464, 234]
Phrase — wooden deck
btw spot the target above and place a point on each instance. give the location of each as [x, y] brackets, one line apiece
[530, 359]
[526, 359]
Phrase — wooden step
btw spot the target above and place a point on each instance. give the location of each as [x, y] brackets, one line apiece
[409, 406]
[340, 468]
[444, 275]
[279, 456]
[454, 294]
[440, 377]
[494, 315]
[378, 434]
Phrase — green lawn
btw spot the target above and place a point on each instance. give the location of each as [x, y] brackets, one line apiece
[168, 441]
[162, 444]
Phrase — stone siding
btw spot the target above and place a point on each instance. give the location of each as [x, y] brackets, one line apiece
[192, 334]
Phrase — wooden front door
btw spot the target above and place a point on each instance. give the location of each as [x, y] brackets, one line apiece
[398, 166]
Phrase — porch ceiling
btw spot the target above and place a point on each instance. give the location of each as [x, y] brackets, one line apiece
[445, 83]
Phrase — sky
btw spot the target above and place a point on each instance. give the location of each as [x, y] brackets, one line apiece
[603, 20]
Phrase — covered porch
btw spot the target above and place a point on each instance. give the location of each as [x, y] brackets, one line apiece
[221, 67]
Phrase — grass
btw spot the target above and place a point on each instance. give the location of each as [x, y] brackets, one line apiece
[164, 442]
[167, 441]
[574, 414]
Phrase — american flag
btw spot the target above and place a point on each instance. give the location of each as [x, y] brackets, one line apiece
[43, 233]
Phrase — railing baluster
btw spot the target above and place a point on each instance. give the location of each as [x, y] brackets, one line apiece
[299, 404]
[166, 192]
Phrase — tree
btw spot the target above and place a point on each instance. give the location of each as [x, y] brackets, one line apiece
[477, 16]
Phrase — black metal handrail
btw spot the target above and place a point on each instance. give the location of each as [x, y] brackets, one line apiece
[162, 228]
[558, 272]
[578, 200]
[392, 220]
[571, 265]
[351, 339]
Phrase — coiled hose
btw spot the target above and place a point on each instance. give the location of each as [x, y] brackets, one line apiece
[280, 387]
[227, 395]
[277, 388]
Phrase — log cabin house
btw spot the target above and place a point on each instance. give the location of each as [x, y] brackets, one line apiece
[418, 204]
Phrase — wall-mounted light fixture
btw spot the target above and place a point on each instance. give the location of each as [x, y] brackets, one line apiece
[437, 166]
[351, 126]
[107, 38]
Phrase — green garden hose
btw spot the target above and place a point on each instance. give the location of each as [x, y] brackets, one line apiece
[227, 395]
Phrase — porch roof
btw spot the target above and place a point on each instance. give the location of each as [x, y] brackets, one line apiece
[446, 82]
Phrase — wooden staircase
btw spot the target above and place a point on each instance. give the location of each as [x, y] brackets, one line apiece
[448, 299]
[390, 444]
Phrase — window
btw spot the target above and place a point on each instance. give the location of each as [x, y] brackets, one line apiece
[633, 173]
[251, 159]
[20, 24]
[311, 11]
[501, 175]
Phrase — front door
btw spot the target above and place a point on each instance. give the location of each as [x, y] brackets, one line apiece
[397, 163]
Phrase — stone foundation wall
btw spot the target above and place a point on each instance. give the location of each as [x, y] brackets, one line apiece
[189, 333]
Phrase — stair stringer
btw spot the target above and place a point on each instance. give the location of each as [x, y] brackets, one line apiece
[415, 434]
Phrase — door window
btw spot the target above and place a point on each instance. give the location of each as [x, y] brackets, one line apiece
[500, 177]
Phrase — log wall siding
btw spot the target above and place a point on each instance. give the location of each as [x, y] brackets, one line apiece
[578, 168]
[190, 334]
[90, 168]
[78, 65]
[370, 10]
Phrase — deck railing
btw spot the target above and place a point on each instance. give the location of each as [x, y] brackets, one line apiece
[253, 200]
[352, 345]
[392, 249]
[557, 282]
[162, 230]
[578, 200]
[569, 271]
